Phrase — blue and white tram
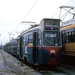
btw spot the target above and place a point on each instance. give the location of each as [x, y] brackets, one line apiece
[41, 44]
[13, 47]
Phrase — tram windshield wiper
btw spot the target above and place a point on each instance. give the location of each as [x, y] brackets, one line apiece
[48, 42]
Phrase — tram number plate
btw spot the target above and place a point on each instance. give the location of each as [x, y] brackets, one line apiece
[52, 51]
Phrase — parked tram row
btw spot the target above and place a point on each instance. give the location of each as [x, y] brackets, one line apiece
[39, 45]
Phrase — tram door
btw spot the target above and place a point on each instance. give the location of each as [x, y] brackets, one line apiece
[35, 48]
[21, 47]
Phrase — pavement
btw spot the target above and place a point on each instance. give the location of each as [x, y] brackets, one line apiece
[9, 65]
[3, 69]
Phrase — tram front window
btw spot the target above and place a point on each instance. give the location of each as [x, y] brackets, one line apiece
[51, 38]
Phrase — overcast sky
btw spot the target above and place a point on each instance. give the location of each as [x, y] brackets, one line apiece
[12, 12]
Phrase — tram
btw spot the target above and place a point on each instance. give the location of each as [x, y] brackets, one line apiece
[41, 44]
[13, 47]
[68, 35]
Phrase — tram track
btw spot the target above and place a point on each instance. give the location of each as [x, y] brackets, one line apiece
[60, 70]
[69, 68]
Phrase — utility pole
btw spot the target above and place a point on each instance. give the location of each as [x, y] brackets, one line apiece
[10, 33]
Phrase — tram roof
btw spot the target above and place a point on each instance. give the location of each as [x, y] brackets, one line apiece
[32, 29]
[67, 27]
[39, 27]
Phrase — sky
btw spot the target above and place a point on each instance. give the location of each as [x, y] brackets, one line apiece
[13, 12]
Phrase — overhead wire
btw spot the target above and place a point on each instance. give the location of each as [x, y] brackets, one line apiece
[59, 10]
[74, 14]
[55, 13]
[30, 10]
[33, 7]
[65, 15]
[69, 2]
[26, 14]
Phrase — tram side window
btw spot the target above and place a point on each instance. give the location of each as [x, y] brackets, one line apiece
[67, 37]
[73, 33]
[63, 39]
[30, 40]
[18, 41]
[14, 42]
[74, 36]
[25, 41]
[71, 37]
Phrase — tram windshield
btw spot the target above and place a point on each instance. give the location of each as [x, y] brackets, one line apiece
[51, 38]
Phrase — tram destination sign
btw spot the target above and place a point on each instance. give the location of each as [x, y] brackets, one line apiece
[50, 35]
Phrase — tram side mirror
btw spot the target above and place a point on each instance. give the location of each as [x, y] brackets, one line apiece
[35, 39]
